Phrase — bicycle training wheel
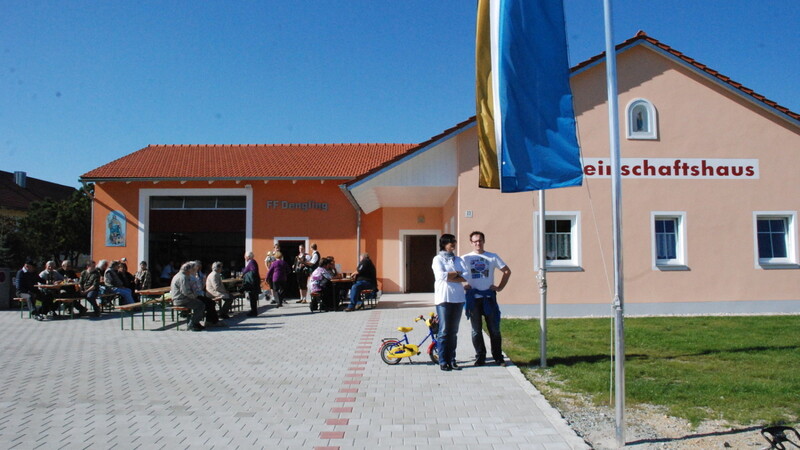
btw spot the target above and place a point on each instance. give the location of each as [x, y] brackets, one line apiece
[386, 349]
[433, 352]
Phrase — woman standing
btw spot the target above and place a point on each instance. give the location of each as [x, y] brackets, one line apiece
[278, 271]
[448, 292]
[301, 272]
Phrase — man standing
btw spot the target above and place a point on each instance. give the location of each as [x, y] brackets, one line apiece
[365, 279]
[482, 297]
[251, 282]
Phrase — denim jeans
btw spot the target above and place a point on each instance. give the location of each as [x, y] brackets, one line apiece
[492, 324]
[449, 319]
[355, 291]
[125, 295]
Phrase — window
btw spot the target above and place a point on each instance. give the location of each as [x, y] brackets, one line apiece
[775, 242]
[642, 120]
[562, 241]
[197, 202]
[669, 249]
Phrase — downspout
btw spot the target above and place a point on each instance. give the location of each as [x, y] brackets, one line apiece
[91, 219]
[353, 202]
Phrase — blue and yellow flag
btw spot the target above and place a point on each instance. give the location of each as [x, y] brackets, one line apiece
[526, 123]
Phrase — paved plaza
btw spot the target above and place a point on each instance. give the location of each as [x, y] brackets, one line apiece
[288, 379]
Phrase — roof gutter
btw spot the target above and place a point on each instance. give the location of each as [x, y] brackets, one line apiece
[356, 206]
[166, 179]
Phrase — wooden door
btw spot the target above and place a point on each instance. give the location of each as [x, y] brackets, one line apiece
[419, 253]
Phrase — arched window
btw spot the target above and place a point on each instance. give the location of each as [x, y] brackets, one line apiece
[642, 120]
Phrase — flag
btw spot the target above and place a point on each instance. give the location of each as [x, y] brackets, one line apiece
[526, 123]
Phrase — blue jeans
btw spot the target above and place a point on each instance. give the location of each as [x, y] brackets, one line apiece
[449, 319]
[492, 324]
[125, 295]
[355, 292]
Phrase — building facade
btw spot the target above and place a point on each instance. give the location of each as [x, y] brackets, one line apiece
[709, 200]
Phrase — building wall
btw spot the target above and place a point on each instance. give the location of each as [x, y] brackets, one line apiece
[396, 223]
[334, 229]
[697, 119]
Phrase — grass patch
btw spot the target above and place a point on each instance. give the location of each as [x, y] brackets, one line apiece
[740, 369]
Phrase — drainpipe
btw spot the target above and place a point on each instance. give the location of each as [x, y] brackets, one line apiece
[91, 219]
[353, 202]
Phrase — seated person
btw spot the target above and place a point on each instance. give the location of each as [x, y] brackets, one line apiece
[183, 295]
[51, 276]
[128, 281]
[320, 283]
[142, 279]
[365, 278]
[25, 284]
[89, 286]
[216, 289]
[113, 283]
[66, 270]
[196, 280]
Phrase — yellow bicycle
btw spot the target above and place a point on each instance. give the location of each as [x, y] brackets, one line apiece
[392, 350]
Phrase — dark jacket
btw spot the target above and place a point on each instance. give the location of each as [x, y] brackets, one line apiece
[251, 282]
[26, 282]
[366, 271]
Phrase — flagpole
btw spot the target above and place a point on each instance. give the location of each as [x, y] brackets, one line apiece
[616, 226]
[542, 280]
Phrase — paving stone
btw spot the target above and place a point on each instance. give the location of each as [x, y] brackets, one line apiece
[279, 380]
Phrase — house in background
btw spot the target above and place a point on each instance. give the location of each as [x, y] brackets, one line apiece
[18, 191]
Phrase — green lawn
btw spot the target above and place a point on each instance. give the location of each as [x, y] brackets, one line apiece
[744, 370]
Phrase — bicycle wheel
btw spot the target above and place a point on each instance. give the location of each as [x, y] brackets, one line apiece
[433, 352]
[386, 349]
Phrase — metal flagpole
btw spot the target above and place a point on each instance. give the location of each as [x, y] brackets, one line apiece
[616, 226]
[541, 277]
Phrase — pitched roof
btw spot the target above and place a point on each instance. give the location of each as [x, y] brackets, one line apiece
[642, 38]
[282, 161]
[12, 196]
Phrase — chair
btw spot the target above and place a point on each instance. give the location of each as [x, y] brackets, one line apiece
[369, 297]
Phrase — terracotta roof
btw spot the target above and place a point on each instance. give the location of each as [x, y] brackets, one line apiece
[642, 37]
[18, 198]
[289, 161]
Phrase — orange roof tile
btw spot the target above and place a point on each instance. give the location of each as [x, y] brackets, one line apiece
[291, 161]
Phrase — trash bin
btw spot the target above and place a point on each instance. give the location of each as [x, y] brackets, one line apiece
[5, 288]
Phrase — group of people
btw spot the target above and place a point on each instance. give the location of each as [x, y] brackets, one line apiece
[467, 283]
[97, 279]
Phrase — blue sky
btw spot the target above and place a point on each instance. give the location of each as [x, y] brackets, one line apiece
[85, 82]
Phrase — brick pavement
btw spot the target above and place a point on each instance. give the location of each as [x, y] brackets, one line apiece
[286, 379]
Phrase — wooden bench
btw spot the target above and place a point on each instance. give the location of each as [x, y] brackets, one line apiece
[180, 309]
[107, 301]
[22, 304]
[130, 308]
[369, 297]
[66, 302]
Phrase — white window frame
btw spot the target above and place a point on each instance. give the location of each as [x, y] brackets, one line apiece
[652, 120]
[571, 265]
[790, 262]
[681, 253]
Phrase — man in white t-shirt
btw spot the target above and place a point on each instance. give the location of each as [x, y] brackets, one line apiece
[482, 297]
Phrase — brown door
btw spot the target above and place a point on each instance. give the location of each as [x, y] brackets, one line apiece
[420, 250]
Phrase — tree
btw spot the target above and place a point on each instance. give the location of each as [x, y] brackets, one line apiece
[58, 229]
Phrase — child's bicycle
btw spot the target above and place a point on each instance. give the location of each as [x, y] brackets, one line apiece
[392, 350]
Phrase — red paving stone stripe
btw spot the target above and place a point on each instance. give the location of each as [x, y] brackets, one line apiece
[331, 435]
[342, 409]
[359, 362]
[356, 368]
[345, 399]
[348, 391]
[352, 382]
[337, 422]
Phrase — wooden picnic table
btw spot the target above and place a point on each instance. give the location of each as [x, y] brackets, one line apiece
[155, 297]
